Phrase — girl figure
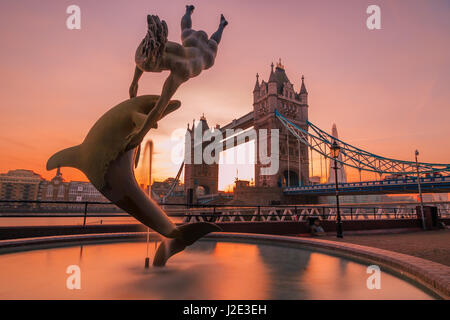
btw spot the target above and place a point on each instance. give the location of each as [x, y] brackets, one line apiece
[156, 54]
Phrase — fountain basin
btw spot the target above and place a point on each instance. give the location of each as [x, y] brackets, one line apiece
[220, 266]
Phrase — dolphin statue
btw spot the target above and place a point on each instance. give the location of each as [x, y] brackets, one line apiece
[106, 160]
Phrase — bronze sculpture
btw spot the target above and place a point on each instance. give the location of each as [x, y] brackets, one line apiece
[111, 148]
[156, 54]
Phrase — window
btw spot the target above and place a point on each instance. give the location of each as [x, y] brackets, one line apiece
[61, 191]
[49, 191]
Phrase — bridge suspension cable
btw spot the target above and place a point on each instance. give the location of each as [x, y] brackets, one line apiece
[320, 141]
[174, 183]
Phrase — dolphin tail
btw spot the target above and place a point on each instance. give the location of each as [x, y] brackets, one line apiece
[69, 157]
[190, 233]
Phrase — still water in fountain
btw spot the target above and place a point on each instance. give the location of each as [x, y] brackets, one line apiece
[206, 270]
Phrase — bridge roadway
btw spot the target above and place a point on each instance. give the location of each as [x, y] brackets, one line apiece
[408, 185]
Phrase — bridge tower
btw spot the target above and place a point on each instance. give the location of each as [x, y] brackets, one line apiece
[278, 93]
[342, 176]
[199, 178]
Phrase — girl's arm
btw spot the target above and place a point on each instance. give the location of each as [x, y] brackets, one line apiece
[170, 86]
[134, 84]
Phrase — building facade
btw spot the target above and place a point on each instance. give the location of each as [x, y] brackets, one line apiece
[81, 191]
[20, 185]
[57, 189]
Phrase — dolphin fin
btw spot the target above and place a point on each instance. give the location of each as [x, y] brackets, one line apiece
[190, 233]
[69, 157]
[171, 107]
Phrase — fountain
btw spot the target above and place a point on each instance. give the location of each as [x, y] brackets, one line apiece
[112, 146]
[226, 267]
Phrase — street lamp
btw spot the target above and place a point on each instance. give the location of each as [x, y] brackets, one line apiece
[420, 191]
[335, 149]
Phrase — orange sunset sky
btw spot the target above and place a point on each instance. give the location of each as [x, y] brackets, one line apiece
[387, 90]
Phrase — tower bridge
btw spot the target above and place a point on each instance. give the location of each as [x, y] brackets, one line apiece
[277, 105]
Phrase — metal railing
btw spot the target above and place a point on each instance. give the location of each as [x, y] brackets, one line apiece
[408, 180]
[295, 213]
[59, 209]
[108, 212]
[407, 185]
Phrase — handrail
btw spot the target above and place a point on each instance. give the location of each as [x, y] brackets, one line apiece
[193, 206]
[411, 180]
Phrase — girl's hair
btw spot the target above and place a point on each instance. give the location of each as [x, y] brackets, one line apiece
[149, 53]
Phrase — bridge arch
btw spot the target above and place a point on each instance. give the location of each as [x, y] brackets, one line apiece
[289, 178]
[202, 190]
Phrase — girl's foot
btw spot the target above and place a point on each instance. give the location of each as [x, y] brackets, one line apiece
[190, 9]
[223, 21]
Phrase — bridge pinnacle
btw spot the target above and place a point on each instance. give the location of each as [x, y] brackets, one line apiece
[280, 65]
[257, 83]
[303, 88]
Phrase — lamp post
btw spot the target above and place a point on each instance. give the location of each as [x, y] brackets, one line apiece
[335, 149]
[420, 191]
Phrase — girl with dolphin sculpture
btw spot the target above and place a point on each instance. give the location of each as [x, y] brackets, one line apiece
[156, 54]
[110, 150]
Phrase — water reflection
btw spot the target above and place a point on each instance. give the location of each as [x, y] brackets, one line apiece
[284, 266]
[203, 246]
[207, 270]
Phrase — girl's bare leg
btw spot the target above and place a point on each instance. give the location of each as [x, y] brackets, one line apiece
[218, 34]
[186, 21]
[134, 85]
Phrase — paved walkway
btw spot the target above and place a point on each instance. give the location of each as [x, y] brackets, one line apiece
[430, 245]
